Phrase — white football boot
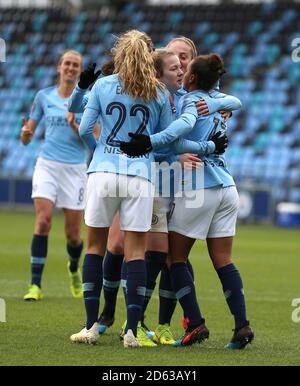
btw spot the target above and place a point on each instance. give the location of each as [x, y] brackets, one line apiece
[130, 340]
[87, 336]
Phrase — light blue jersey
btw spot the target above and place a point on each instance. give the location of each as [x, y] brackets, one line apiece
[178, 94]
[226, 103]
[216, 101]
[166, 154]
[79, 99]
[120, 114]
[203, 128]
[188, 116]
[61, 143]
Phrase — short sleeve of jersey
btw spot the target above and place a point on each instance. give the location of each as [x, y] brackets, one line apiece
[37, 110]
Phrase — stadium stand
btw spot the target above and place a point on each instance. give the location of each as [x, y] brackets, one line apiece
[254, 39]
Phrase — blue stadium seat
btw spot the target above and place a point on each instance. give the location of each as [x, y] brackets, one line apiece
[263, 134]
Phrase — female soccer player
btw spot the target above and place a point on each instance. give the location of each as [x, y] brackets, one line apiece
[114, 255]
[131, 100]
[168, 71]
[213, 220]
[157, 248]
[60, 173]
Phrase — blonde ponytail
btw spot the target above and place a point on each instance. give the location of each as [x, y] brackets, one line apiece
[134, 65]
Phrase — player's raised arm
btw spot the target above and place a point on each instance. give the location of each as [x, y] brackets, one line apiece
[78, 100]
[79, 97]
[218, 102]
[89, 119]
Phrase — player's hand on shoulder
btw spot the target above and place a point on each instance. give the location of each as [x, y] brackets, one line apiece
[202, 107]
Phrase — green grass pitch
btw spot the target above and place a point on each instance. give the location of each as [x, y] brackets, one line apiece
[38, 333]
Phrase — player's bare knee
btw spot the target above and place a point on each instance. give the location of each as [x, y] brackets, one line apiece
[95, 249]
[73, 237]
[43, 225]
[221, 261]
[116, 248]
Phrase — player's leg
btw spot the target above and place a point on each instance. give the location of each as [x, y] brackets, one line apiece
[100, 209]
[134, 248]
[219, 243]
[162, 207]
[220, 253]
[39, 246]
[44, 195]
[135, 245]
[135, 220]
[155, 258]
[185, 319]
[71, 198]
[183, 285]
[92, 277]
[157, 245]
[92, 274]
[112, 265]
[189, 221]
[167, 296]
[73, 223]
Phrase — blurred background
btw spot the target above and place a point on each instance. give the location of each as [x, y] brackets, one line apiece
[260, 44]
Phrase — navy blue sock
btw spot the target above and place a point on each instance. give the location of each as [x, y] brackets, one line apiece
[74, 256]
[154, 262]
[39, 250]
[92, 283]
[190, 268]
[234, 293]
[185, 292]
[191, 271]
[111, 281]
[124, 280]
[136, 288]
[167, 297]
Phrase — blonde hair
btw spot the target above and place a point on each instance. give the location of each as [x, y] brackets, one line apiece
[73, 52]
[187, 41]
[159, 56]
[134, 65]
